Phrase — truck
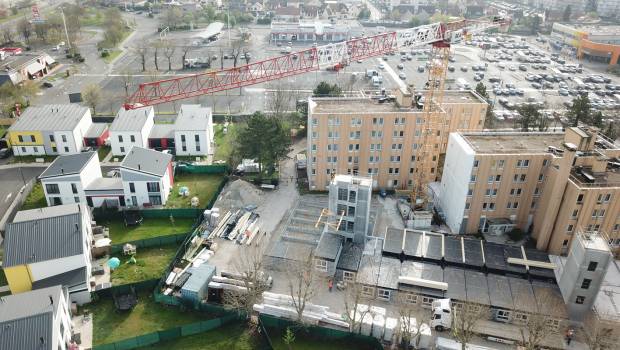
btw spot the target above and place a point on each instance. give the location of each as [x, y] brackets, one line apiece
[371, 73]
[442, 315]
[377, 81]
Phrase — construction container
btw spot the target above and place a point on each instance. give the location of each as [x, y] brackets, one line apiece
[195, 289]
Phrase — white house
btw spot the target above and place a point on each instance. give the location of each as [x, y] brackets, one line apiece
[147, 177]
[131, 128]
[193, 131]
[38, 319]
[66, 179]
[50, 246]
[50, 130]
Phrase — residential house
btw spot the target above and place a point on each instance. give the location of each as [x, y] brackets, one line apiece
[65, 180]
[193, 131]
[257, 9]
[147, 177]
[287, 14]
[131, 128]
[38, 319]
[50, 130]
[24, 67]
[50, 246]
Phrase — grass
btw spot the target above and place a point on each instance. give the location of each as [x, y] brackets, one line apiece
[203, 186]
[223, 142]
[31, 159]
[146, 317]
[3, 281]
[150, 227]
[111, 56]
[303, 341]
[235, 336]
[151, 263]
[3, 129]
[35, 199]
[20, 13]
[103, 152]
[92, 18]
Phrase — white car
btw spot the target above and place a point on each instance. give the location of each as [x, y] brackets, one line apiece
[381, 66]
[402, 76]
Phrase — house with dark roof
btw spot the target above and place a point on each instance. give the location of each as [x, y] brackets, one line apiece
[50, 246]
[66, 179]
[38, 319]
[147, 177]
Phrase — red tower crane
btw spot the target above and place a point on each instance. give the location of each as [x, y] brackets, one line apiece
[313, 59]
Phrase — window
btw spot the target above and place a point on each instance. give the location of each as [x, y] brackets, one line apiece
[348, 276]
[376, 134]
[52, 138]
[122, 149]
[500, 163]
[56, 200]
[569, 228]
[377, 121]
[476, 163]
[315, 121]
[470, 192]
[155, 200]
[182, 138]
[64, 138]
[520, 317]
[184, 148]
[120, 138]
[502, 315]
[20, 138]
[490, 179]
[314, 147]
[467, 205]
[73, 188]
[545, 162]
[592, 265]
[383, 294]
[66, 149]
[352, 196]
[394, 158]
[368, 291]
[76, 199]
[356, 121]
[132, 187]
[197, 138]
[541, 177]
[355, 135]
[54, 149]
[585, 284]
[52, 188]
[498, 178]
[575, 213]
[197, 148]
[332, 147]
[132, 138]
[411, 298]
[333, 134]
[397, 146]
[491, 206]
[427, 301]
[580, 299]
[315, 134]
[320, 264]
[397, 133]
[515, 205]
[523, 163]
[472, 178]
[565, 243]
[580, 198]
[342, 194]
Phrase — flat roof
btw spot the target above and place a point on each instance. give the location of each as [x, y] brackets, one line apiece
[511, 142]
[48, 212]
[350, 257]
[499, 291]
[162, 131]
[476, 287]
[455, 277]
[607, 303]
[96, 130]
[329, 246]
[50, 118]
[355, 180]
[388, 273]
[105, 184]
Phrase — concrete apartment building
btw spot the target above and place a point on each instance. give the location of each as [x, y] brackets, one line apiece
[38, 319]
[554, 184]
[368, 137]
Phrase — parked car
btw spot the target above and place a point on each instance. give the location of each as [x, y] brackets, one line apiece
[463, 68]
[5, 153]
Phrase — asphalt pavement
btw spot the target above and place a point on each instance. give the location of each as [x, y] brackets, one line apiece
[13, 180]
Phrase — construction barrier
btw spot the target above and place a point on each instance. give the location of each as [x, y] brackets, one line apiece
[142, 286]
[201, 169]
[151, 242]
[169, 334]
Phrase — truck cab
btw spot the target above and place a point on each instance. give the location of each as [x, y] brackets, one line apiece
[442, 315]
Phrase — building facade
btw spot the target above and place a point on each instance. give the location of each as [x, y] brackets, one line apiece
[193, 131]
[597, 43]
[131, 128]
[361, 136]
[147, 177]
[66, 179]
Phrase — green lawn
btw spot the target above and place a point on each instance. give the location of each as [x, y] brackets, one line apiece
[36, 198]
[203, 186]
[150, 263]
[103, 152]
[113, 54]
[223, 142]
[146, 317]
[233, 336]
[150, 227]
[303, 341]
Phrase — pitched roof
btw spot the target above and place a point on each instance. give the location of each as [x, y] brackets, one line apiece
[192, 117]
[96, 130]
[26, 319]
[162, 131]
[131, 120]
[50, 118]
[44, 239]
[72, 280]
[68, 164]
[287, 11]
[146, 161]
[48, 212]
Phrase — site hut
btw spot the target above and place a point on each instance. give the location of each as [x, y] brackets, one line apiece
[65, 180]
[50, 130]
[131, 128]
[380, 138]
[550, 183]
[147, 177]
[49, 246]
[38, 319]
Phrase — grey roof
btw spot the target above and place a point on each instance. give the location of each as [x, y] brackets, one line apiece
[162, 131]
[131, 120]
[393, 242]
[26, 318]
[72, 280]
[200, 277]
[476, 287]
[412, 243]
[499, 291]
[350, 257]
[96, 130]
[388, 273]
[68, 164]
[50, 118]
[329, 246]
[425, 271]
[28, 242]
[193, 117]
[48, 212]
[455, 278]
[368, 272]
[549, 299]
[146, 161]
[290, 250]
[105, 184]
[522, 295]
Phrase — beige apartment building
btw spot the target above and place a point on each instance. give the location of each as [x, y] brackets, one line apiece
[550, 184]
[379, 138]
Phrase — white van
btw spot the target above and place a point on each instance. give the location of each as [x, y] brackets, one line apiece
[463, 84]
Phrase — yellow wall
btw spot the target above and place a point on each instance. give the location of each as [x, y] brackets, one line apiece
[14, 138]
[19, 278]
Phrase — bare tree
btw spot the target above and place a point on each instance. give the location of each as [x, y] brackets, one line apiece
[221, 57]
[169, 50]
[142, 50]
[279, 100]
[465, 317]
[127, 79]
[236, 49]
[408, 311]
[8, 35]
[354, 297]
[156, 46]
[301, 284]
[92, 95]
[535, 328]
[249, 265]
[597, 334]
[25, 29]
[185, 50]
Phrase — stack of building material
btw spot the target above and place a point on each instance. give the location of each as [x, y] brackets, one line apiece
[217, 232]
[212, 216]
[281, 305]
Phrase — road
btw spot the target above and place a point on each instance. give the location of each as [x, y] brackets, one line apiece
[12, 181]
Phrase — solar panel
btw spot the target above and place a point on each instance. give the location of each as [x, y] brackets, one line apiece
[494, 256]
[412, 243]
[434, 247]
[453, 250]
[473, 252]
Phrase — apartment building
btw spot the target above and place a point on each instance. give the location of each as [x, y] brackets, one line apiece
[552, 184]
[131, 128]
[147, 177]
[380, 138]
[67, 178]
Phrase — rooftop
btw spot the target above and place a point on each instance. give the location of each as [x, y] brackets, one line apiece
[50, 118]
[162, 131]
[330, 244]
[96, 130]
[510, 142]
[147, 161]
[48, 212]
[355, 180]
[192, 117]
[24, 58]
[68, 164]
[131, 120]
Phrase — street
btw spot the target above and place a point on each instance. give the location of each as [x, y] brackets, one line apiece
[13, 179]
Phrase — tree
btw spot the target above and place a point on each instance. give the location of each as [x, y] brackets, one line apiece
[327, 90]
[127, 79]
[354, 297]
[597, 119]
[92, 96]
[611, 131]
[25, 29]
[301, 284]
[288, 338]
[465, 317]
[156, 46]
[265, 140]
[279, 99]
[596, 333]
[481, 89]
[168, 53]
[185, 50]
[489, 118]
[42, 30]
[408, 311]
[530, 116]
[8, 35]
[567, 13]
[535, 24]
[364, 13]
[238, 46]
[579, 111]
[535, 328]
[141, 50]
[170, 18]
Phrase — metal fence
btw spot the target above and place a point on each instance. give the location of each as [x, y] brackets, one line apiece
[142, 286]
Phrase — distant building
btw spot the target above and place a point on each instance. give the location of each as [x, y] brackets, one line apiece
[25, 66]
[311, 31]
[38, 319]
[50, 246]
[287, 14]
[597, 43]
[147, 177]
[50, 130]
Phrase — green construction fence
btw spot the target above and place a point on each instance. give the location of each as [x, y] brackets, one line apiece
[201, 169]
[151, 242]
[141, 286]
